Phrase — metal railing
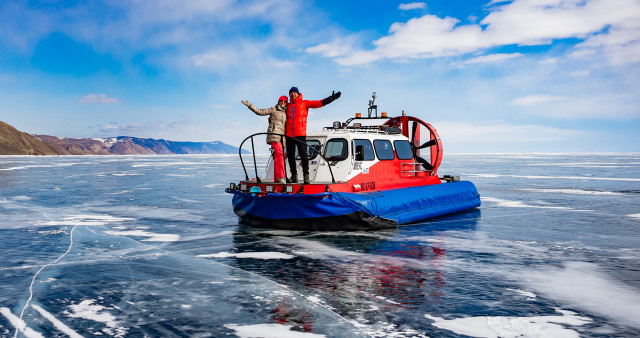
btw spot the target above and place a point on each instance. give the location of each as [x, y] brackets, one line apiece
[284, 157]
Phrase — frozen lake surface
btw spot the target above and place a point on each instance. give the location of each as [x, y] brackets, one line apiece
[134, 246]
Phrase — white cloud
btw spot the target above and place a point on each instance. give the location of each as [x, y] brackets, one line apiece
[610, 25]
[99, 98]
[621, 43]
[535, 100]
[493, 58]
[580, 73]
[337, 48]
[412, 6]
[239, 56]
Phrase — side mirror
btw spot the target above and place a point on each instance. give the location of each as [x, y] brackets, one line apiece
[359, 153]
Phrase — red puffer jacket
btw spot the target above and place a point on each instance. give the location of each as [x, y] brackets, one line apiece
[297, 112]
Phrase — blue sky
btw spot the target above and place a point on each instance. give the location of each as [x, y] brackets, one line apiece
[491, 76]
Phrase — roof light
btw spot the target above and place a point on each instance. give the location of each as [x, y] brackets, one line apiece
[383, 114]
[336, 125]
[357, 125]
[244, 187]
[288, 189]
[232, 186]
[358, 115]
[268, 188]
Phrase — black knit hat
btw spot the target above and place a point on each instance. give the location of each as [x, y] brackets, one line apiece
[294, 90]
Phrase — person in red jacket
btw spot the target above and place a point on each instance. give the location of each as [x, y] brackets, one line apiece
[296, 127]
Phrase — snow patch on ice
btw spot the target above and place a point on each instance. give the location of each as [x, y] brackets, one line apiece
[21, 198]
[583, 285]
[386, 329]
[573, 191]
[518, 204]
[97, 313]
[635, 216]
[315, 299]
[87, 220]
[118, 192]
[127, 173]
[256, 255]
[164, 164]
[538, 326]
[153, 237]
[529, 295]
[269, 331]
[39, 166]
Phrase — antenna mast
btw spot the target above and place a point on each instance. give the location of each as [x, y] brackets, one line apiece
[372, 106]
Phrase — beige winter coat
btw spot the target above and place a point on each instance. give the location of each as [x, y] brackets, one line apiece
[277, 120]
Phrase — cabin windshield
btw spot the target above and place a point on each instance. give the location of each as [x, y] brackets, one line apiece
[312, 149]
[337, 149]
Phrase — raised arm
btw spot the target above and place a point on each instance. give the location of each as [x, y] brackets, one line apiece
[253, 108]
[334, 96]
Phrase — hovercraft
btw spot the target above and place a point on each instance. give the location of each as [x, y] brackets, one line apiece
[362, 177]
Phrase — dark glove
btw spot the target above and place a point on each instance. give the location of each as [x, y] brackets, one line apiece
[330, 99]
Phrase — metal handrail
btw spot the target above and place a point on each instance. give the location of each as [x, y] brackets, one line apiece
[246, 175]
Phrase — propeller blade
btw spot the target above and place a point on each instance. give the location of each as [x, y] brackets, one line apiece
[426, 165]
[413, 132]
[428, 144]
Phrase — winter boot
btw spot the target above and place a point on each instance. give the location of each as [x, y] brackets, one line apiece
[306, 179]
[294, 178]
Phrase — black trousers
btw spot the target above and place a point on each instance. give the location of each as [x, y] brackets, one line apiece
[302, 151]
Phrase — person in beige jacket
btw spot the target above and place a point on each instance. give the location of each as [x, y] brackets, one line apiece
[277, 120]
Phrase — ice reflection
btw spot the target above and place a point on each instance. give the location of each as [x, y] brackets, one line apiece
[365, 276]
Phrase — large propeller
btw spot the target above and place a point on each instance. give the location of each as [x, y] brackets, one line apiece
[410, 125]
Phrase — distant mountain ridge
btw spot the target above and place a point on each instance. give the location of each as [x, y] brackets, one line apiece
[127, 145]
[15, 142]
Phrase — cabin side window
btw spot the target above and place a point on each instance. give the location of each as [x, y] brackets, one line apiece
[403, 149]
[336, 149]
[384, 150]
[363, 150]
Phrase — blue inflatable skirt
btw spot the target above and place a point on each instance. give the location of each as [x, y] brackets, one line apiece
[354, 211]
